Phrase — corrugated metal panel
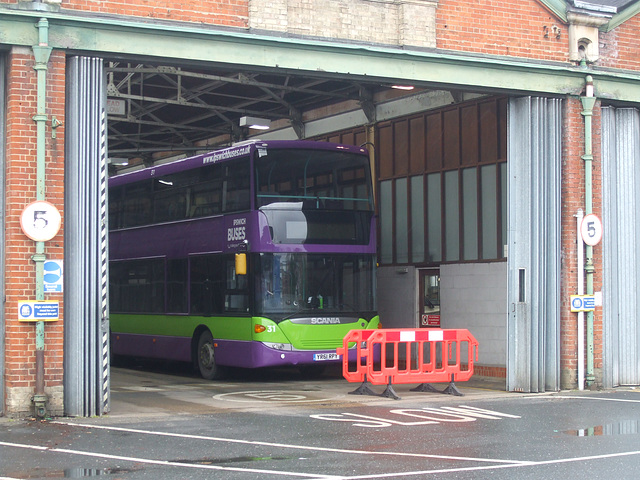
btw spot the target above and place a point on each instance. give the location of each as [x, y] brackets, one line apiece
[86, 325]
[2, 214]
[534, 161]
[621, 230]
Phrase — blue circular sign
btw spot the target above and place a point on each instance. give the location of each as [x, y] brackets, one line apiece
[52, 272]
[25, 311]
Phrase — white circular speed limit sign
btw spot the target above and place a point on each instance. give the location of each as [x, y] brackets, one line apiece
[591, 229]
[40, 221]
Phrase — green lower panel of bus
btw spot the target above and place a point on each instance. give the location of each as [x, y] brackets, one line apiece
[239, 341]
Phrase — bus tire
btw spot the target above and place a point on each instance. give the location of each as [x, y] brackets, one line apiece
[205, 356]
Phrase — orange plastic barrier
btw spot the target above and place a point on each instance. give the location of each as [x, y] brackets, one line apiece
[425, 355]
[355, 370]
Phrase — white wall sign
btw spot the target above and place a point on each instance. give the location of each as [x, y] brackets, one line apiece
[583, 303]
[40, 221]
[591, 229]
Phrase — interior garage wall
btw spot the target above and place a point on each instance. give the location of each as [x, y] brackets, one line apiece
[621, 229]
[474, 296]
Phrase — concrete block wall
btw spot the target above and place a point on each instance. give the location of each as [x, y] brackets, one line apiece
[472, 296]
[393, 22]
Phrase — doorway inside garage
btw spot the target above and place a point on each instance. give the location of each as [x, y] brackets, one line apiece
[439, 156]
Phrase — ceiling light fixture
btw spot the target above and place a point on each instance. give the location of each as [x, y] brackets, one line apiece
[255, 123]
[121, 162]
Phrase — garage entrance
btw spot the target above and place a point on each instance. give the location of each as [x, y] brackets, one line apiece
[155, 112]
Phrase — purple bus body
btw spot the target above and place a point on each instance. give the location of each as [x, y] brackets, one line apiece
[225, 155]
[238, 353]
[215, 235]
[179, 239]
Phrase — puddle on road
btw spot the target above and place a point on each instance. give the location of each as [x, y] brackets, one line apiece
[218, 461]
[627, 427]
[95, 472]
[71, 473]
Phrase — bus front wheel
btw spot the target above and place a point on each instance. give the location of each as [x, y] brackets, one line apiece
[209, 370]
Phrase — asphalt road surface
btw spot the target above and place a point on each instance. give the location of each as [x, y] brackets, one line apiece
[168, 424]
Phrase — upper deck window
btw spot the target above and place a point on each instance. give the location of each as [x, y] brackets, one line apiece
[201, 192]
[320, 179]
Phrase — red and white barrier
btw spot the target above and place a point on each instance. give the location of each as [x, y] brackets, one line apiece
[403, 356]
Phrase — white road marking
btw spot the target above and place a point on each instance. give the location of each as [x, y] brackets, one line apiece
[495, 467]
[167, 463]
[624, 400]
[271, 396]
[498, 463]
[284, 445]
[429, 416]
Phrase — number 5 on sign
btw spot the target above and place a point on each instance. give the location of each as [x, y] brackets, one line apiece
[591, 229]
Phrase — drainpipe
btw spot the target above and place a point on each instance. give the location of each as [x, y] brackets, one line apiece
[371, 146]
[588, 101]
[41, 52]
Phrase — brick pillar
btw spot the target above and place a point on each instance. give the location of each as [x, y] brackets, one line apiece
[20, 191]
[573, 198]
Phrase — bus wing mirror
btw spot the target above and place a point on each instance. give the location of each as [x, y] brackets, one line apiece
[241, 263]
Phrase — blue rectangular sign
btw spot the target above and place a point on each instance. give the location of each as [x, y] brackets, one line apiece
[33, 311]
[583, 303]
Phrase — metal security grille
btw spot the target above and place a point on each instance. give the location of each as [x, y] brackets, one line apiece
[534, 161]
[621, 228]
[86, 326]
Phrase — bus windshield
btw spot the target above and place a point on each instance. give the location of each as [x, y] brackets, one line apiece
[288, 284]
[316, 179]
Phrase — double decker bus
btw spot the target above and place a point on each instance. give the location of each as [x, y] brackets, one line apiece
[257, 255]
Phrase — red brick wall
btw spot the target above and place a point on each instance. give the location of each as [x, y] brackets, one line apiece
[573, 198]
[511, 27]
[620, 48]
[20, 191]
[234, 13]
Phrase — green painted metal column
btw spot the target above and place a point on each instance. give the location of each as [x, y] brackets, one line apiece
[588, 101]
[41, 52]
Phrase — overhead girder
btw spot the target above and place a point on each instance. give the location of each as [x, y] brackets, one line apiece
[167, 99]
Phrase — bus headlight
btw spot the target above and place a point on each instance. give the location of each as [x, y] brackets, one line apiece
[285, 347]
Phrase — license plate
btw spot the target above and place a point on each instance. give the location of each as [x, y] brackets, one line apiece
[320, 357]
